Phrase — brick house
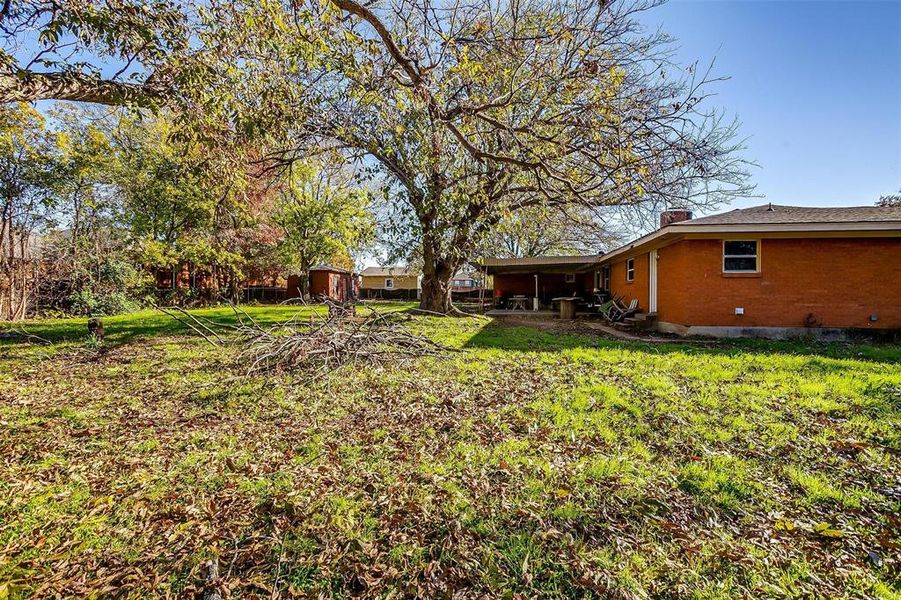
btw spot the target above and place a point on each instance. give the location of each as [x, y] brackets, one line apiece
[766, 271]
[770, 271]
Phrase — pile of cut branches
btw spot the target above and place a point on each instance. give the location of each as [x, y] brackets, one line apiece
[317, 346]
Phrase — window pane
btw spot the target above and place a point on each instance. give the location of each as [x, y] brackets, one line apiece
[740, 264]
[733, 247]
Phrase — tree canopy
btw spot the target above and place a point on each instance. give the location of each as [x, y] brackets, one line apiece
[464, 112]
[324, 218]
[471, 111]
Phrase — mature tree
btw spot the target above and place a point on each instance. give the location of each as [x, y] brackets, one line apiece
[324, 218]
[468, 110]
[473, 110]
[87, 164]
[86, 264]
[28, 171]
[181, 202]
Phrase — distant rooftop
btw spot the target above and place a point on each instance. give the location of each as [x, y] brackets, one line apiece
[388, 271]
[767, 214]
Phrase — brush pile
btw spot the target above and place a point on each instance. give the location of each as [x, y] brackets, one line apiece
[317, 345]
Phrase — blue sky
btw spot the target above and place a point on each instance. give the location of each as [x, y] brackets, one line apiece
[815, 84]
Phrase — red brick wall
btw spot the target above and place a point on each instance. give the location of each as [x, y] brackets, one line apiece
[839, 281]
[634, 289]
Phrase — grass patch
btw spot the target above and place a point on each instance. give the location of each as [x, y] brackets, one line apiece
[532, 463]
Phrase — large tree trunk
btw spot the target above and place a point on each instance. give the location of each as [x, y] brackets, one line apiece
[436, 294]
[437, 272]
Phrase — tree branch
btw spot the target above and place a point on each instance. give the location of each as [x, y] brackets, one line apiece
[367, 15]
[27, 86]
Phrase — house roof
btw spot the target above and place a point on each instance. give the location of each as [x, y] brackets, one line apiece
[773, 213]
[764, 219]
[388, 272]
[777, 219]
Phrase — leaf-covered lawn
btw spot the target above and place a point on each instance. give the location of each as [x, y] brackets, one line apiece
[531, 463]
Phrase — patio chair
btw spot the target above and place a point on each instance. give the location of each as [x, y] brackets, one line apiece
[621, 312]
[611, 308]
[606, 309]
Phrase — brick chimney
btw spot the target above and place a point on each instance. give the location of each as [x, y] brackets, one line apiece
[675, 215]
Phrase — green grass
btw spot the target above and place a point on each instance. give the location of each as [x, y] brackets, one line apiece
[532, 463]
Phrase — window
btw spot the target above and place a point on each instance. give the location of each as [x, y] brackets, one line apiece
[389, 284]
[570, 278]
[630, 269]
[605, 278]
[740, 256]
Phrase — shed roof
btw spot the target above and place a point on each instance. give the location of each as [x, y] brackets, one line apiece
[329, 268]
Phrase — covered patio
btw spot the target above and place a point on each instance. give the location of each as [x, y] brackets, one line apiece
[531, 285]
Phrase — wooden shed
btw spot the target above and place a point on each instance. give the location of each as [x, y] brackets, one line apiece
[329, 282]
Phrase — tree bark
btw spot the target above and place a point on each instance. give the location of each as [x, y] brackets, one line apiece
[28, 86]
[437, 272]
[436, 295]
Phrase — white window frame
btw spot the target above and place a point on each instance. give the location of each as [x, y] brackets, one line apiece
[630, 271]
[569, 278]
[389, 283]
[755, 256]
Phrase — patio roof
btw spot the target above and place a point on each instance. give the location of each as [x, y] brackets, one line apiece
[543, 264]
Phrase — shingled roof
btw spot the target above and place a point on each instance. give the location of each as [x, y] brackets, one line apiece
[767, 214]
[775, 218]
[388, 271]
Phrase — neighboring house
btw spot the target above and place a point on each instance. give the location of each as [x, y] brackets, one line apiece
[329, 282]
[390, 282]
[770, 271]
[465, 286]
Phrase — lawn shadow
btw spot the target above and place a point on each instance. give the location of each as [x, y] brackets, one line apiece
[524, 337]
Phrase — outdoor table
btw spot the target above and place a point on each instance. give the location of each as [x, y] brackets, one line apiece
[567, 307]
[518, 302]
